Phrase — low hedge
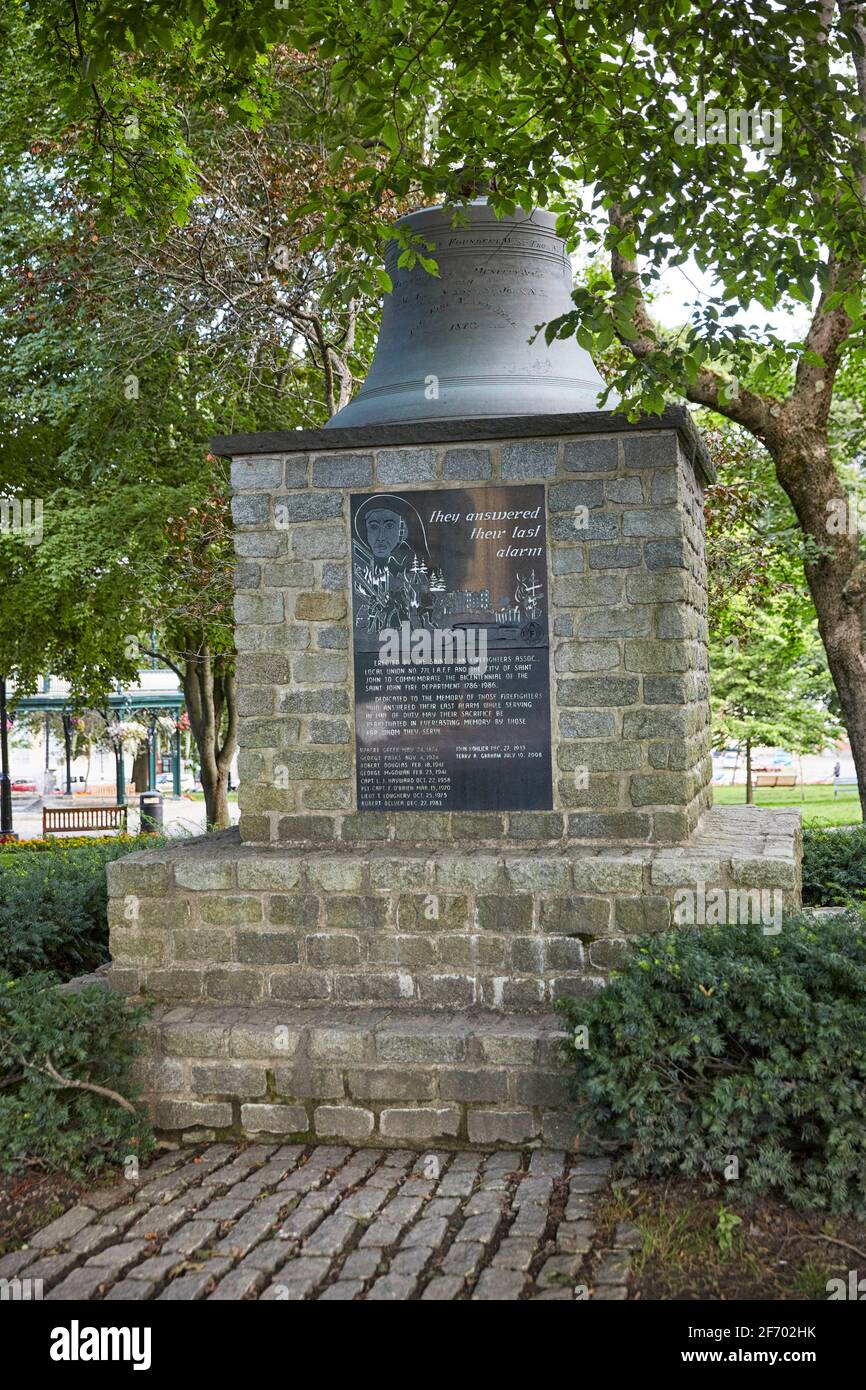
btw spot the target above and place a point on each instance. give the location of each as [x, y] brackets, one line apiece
[49, 1040]
[54, 903]
[722, 1042]
[834, 865]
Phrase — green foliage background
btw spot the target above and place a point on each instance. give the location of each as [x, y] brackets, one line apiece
[834, 866]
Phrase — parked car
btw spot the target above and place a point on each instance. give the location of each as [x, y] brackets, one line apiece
[776, 760]
[21, 785]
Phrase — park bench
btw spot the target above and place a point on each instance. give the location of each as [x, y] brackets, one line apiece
[106, 790]
[776, 779]
[842, 782]
[68, 820]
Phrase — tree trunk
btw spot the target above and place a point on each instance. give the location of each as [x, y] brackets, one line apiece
[209, 688]
[836, 577]
[214, 781]
[841, 630]
[750, 795]
[794, 431]
[139, 772]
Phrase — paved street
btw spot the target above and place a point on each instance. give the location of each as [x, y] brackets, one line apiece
[290, 1223]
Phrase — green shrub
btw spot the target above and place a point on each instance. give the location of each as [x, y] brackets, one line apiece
[84, 1037]
[723, 1041]
[834, 865]
[54, 906]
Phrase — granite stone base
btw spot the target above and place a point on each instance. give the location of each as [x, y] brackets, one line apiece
[283, 977]
[391, 1078]
[512, 928]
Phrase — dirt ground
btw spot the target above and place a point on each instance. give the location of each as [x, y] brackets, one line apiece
[694, 1248]
[30, 1199]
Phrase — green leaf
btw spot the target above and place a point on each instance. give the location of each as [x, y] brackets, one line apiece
[391, 137]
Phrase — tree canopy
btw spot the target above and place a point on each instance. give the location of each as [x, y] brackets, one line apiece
[248, 160]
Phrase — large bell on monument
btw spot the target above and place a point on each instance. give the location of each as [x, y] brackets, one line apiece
[460, 345]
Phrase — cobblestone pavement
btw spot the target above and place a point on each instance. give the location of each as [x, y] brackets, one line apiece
[323, 1222]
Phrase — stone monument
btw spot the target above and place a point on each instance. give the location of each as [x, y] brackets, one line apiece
[474, 735]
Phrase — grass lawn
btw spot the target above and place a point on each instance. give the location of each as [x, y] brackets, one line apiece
[818, 807]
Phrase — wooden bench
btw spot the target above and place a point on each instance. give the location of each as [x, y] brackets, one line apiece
[68, 820]
[842, 782]
[776, 779]
[106, 790]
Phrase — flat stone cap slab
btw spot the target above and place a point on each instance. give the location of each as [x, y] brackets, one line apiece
[674, 417]
[732, 844]
[225, 1029]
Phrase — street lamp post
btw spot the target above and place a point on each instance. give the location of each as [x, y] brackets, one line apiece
[151, 753]
[67, 744]
[150, 802]
[6, 831]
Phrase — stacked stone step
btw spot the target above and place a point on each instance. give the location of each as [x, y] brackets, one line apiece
[216, 921]
[371, 1077]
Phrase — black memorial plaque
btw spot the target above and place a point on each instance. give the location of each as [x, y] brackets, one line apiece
[451, 650]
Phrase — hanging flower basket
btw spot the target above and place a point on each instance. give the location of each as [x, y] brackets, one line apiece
[127, 734]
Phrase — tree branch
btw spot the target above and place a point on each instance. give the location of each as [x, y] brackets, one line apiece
[754, 412]
[828, 332]
[226, 752]
[67, 1082]
[829, 329]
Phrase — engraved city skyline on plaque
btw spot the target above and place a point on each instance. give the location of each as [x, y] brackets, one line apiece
[451, 649]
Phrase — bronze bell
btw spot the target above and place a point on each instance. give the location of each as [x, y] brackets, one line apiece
[458, 345]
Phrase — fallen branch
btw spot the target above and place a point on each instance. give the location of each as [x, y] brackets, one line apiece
[843, 1243]
[50, 1071]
